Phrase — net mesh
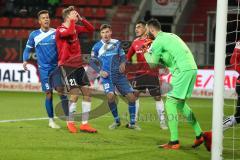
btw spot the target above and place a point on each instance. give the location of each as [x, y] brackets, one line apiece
[231, 141]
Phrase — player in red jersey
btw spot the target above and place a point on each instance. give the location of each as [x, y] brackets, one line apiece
[235, 62]
[143, 80]
[70, 63]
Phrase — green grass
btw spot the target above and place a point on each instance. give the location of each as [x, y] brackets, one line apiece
[33, 140]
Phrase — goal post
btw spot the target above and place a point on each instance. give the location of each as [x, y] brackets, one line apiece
[219, 68]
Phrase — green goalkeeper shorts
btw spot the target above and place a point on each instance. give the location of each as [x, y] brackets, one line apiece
[182, 84]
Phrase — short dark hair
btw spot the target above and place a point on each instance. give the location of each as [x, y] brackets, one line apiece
[155, 23]
[67, 11]
[104, 26]
[141, 22]
[42, 12]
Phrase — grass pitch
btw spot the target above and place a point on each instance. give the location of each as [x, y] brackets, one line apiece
[34, 140]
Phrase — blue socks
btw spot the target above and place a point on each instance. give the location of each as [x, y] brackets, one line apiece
[49, 107]
[131, 108]
[132, 112]
[113, 108]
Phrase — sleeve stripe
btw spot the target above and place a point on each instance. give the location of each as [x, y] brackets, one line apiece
[29, 46]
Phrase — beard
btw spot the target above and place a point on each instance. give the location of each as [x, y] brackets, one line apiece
[150, 35]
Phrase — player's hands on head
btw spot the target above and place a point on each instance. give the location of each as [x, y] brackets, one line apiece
[73, 16]
[25, 66]
[79, 17]
[122, 67]
[103, 74]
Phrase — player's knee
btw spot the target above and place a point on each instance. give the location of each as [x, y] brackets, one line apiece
[131, 98]
[59, 90]
[85, 91]
[110, 97]
[87, 98]
[136, 94]
[74, 98]
[174, 99]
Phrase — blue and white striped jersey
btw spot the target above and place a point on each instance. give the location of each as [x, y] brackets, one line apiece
[45, 48]
[110, 54]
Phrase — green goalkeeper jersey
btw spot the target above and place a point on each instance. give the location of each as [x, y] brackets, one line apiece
[170, 50]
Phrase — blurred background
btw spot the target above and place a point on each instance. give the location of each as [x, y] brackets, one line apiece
[192, 20]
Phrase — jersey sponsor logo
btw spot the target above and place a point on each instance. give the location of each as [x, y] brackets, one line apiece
[139, 51]
[105, 48]
[45, 43]
[42, 36]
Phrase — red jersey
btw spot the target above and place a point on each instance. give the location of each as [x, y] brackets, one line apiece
[68, 45]
[139, 47]
[235, 59]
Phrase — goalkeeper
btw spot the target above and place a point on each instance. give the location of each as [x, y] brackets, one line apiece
[171, 51]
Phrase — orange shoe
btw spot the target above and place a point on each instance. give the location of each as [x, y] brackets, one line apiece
[71, 127]
[198, 141]
[87, 128]
[171, 145]
[208, 140]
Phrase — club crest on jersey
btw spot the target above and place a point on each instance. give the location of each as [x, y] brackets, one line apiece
[52, 36]
[110, 47]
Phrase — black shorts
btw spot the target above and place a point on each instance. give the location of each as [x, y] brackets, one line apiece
[141, 82]
[74, 77]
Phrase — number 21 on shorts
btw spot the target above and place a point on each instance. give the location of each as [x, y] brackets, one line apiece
[72, 82]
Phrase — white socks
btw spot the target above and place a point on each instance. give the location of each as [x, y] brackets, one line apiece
[160, 110]
[137, 109]
[86, 107]
[51, 120]
[72, 107]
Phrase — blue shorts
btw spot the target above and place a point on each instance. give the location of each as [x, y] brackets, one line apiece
[46, 81]
[120, 82]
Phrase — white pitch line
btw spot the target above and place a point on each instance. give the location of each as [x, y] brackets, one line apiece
[30, 119]
[26, 119]
[45, 118]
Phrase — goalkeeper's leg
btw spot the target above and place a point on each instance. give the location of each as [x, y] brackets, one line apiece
[189, 115]
[171, 108]
[191, 119]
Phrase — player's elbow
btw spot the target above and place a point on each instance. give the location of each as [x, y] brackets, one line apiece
[91, 29]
